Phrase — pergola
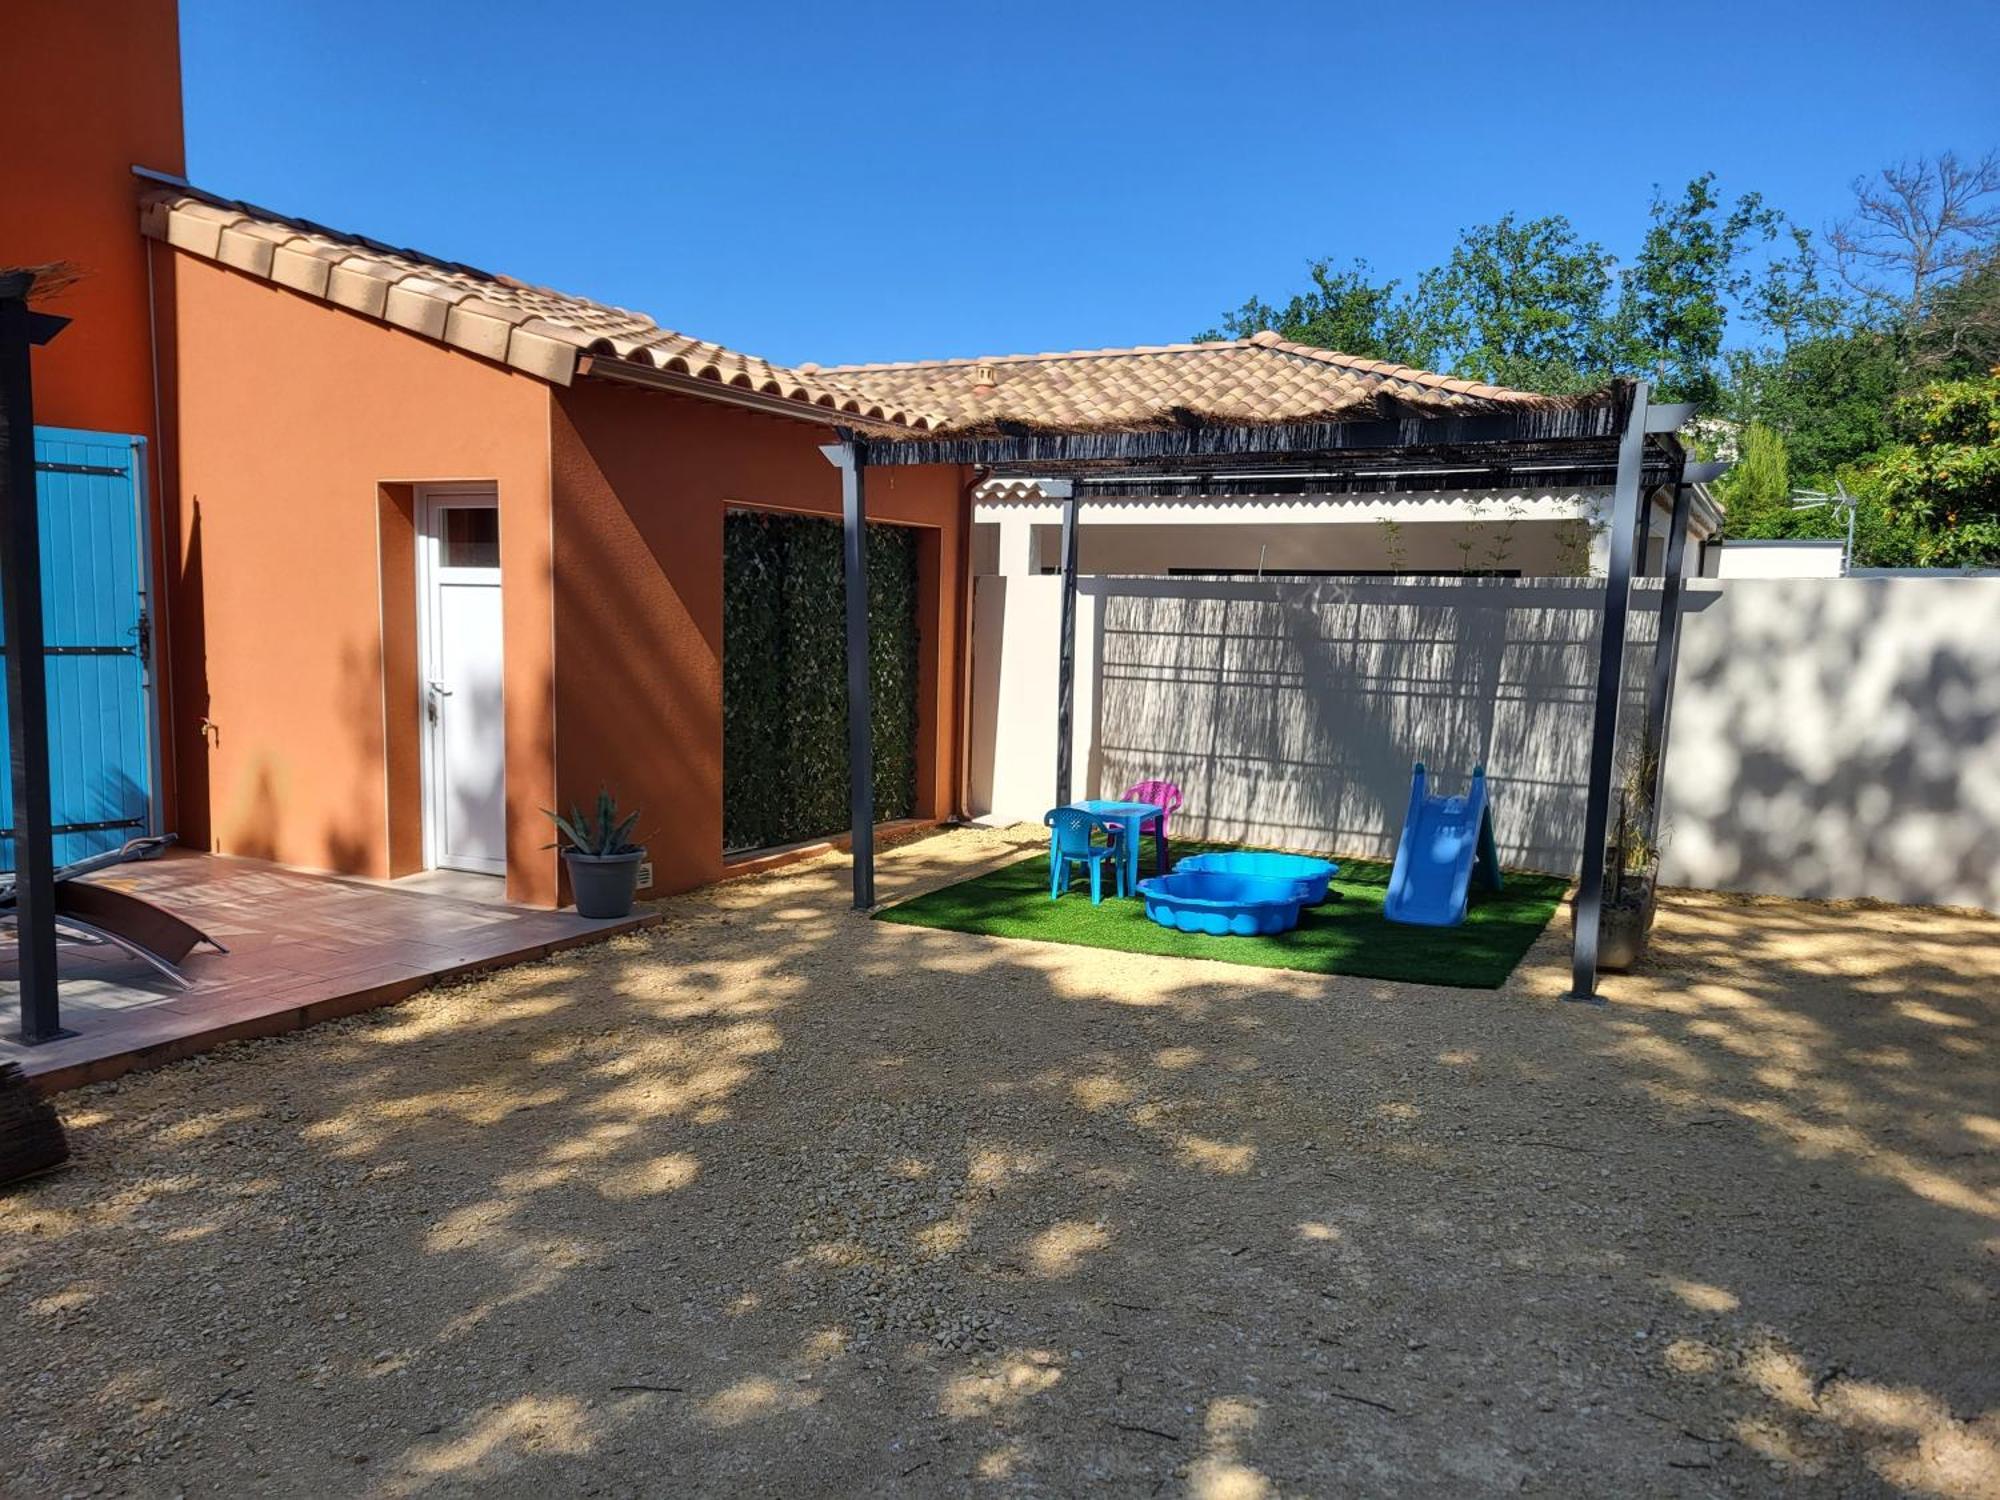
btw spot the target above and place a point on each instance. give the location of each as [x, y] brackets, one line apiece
[1617, 437]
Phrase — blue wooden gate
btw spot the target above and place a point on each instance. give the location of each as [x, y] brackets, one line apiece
[97, 627]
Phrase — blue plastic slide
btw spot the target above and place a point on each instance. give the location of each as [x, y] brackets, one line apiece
[1444, 839]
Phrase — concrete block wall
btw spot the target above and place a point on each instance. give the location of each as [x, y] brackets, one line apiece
[1839, 737]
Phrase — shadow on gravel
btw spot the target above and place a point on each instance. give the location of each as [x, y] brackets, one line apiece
[775, 1199]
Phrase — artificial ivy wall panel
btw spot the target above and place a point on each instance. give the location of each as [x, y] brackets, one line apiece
[784, 677]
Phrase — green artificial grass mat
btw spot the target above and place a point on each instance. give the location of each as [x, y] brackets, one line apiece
[1345, 934]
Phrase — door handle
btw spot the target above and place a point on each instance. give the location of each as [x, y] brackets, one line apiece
[440, 689]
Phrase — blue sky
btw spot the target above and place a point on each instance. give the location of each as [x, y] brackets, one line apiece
[850, 181]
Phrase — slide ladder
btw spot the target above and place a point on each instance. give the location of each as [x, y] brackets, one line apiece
[1445, 842]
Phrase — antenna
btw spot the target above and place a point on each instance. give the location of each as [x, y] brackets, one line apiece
[1838, 500]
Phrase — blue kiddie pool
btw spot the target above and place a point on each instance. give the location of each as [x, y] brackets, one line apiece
[1307, 875]
[1219, 904]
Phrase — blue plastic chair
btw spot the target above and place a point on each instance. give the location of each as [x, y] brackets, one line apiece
[1071, 843]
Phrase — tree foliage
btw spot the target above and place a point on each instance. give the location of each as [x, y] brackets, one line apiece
[1529, 303]
[1759, 484]
[1959, 334]
[1829, 396]
[1849, 358]
[1674, 299]
[1790, 298]
[1344, 309]
[1942, 481]
[1519, 303]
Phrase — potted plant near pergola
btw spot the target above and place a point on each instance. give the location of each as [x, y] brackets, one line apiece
[602, 860]
[1632, 872]
[1630, 897]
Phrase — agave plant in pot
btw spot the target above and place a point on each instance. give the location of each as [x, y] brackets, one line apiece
[603, 862]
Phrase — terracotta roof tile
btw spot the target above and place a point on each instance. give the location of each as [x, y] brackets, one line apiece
[358, 285]
[533, 329]
[300, 270]
[1258, 380]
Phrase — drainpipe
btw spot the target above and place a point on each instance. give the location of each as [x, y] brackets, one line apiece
[166, 754]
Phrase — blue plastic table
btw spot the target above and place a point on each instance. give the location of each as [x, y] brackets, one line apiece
[1130, 815]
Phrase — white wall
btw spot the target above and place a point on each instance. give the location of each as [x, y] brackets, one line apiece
[1782, 559]
[1839, 737]
[1016, 636]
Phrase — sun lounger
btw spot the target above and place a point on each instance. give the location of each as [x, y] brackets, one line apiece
[102, 913]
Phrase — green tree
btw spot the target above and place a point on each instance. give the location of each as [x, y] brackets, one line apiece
[1756, 492]
[1790, 299]
[1758, 505]
[1881, 539]
[1344, 308]
[1918, 299]
[1942, 482]
[1829, 396]
[1528, 303]
[1673, 307]
[1907, 288]
[1519, 303]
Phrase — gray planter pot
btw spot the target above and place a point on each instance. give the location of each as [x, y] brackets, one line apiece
[1624, 925]
[604, 884]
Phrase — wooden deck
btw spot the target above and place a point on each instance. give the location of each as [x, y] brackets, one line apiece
[303, 948]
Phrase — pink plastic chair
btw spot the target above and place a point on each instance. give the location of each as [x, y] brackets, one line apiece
[1166, 796]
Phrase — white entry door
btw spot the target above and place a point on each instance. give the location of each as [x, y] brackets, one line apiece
[465, 772]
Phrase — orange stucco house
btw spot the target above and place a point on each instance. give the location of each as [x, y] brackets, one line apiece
[351, 452]
[338, 409]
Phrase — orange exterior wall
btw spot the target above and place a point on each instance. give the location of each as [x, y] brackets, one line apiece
[642, 480]
[296, 436]
[295, 433]
[290, 440]
[91, 89]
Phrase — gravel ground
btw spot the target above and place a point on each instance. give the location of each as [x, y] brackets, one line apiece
[775, 1200]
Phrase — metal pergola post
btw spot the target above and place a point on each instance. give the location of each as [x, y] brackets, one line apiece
[1642, 531]
[1625, 500]
[1667, 645]
[1065, 491]
[26, 670]
[851, 458]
